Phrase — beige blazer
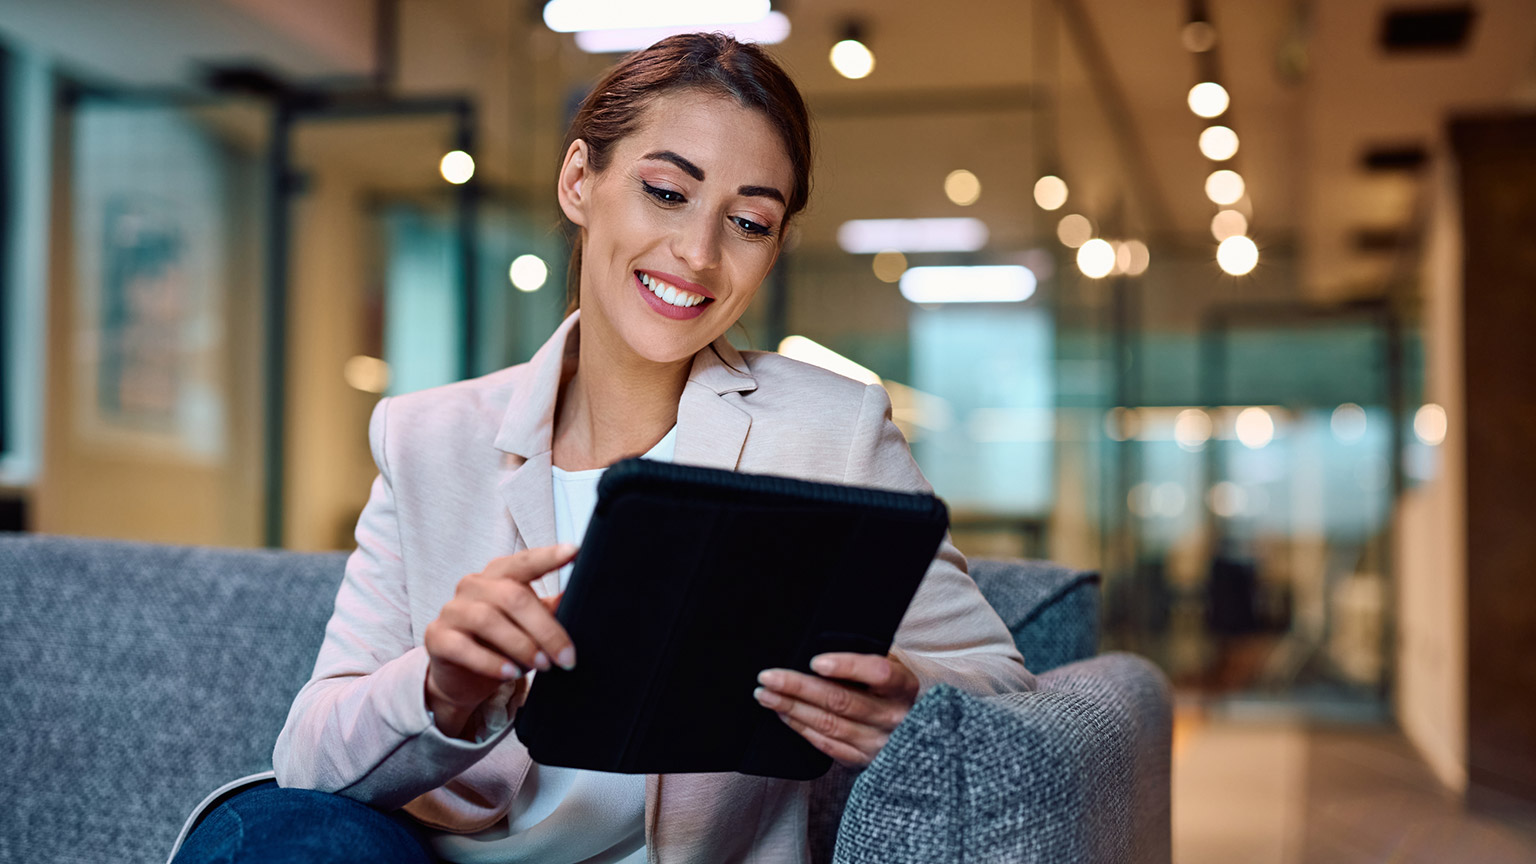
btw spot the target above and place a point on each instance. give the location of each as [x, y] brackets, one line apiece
[464, 477]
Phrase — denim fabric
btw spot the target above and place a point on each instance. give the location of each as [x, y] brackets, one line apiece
[273, 825]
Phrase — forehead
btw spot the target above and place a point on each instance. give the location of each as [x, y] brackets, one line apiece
[715, 132]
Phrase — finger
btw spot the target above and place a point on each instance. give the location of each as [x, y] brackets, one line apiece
[531, 564]
[534, 618]
[834, 726]
[833, 697]
[487, 624]
[840, 750]
[872, 670]
[458, 649]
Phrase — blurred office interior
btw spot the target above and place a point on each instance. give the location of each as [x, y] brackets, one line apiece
[1252, 307]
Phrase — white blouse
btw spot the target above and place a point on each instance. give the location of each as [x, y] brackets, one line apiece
[566, 815]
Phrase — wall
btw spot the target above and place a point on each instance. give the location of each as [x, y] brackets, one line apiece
[1430, 532]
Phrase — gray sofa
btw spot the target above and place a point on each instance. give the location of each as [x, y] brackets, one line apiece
[138, 678]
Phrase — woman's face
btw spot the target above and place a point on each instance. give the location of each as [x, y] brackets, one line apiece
[681, 227]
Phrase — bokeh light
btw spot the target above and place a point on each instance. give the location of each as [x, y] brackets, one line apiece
[1228, 223]
[1208, 99]
[962, 187]
[1430, 424]
[368, 374]
[1138, 257]
[456, 167]
[852, 59]
[1255, 428]
[1218, 143]
[1225, 186]
[1096, 258]
[1348, 422]
[528, 272]
[1198, 37]
[1191, 429]
[1074, 230]
[889, 265]
[1237, 255]
[1050, 192]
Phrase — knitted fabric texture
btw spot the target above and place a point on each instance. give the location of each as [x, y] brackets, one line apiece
[1074, 772]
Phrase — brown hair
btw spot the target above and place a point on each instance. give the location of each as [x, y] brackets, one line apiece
[712, 62]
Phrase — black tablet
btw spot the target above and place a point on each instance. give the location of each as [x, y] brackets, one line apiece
[690, 582]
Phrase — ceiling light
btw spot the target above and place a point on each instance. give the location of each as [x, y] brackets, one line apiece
[1224, 186]
[457, 167]
[528, 272]
[1218, 143]
[1006, 283]
[869, 236]
[572, 16]
[1237, 255]
[1228, 223]
[962, 187]
[1208, 99]
[816, 354]
[852, 59]
[1050, 192]
[1074, 230]
[1096, 258]
[770, 30]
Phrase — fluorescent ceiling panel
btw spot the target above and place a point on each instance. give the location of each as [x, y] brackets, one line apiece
[987, 284]
[574, 16]
[869, 236]
[770, 30]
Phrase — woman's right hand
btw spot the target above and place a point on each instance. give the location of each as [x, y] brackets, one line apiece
[492, 631]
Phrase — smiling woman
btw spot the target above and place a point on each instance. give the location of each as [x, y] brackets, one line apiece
[681, 173]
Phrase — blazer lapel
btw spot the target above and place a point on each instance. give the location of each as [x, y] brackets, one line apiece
[710, 429]
[525, 439]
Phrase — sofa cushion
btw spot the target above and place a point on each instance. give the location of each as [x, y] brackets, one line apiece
[1024, 777]
[139, 678]
[1052, 611]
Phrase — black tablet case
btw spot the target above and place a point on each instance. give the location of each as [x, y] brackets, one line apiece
[690, 581]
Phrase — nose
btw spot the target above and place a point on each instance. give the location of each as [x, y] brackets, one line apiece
[697, 242]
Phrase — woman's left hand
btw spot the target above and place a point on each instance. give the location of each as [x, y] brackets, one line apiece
[842, 719]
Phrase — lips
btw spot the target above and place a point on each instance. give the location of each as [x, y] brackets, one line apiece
[670, 293]
[671, 300]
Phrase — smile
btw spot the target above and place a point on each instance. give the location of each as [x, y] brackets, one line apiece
[669, 293]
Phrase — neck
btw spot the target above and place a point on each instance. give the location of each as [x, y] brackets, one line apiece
[615, 404]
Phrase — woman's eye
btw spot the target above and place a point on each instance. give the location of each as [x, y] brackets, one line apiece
[751, 227]
[666, 196]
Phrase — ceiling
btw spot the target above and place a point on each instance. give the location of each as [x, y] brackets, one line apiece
[1093, 88]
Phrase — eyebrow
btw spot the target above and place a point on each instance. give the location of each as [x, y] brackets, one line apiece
[697, 173]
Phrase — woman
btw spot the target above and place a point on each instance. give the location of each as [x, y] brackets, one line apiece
[683, 169]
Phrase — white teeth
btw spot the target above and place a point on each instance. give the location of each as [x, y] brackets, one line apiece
[670, 293]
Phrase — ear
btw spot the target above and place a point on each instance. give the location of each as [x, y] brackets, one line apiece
[575, 179]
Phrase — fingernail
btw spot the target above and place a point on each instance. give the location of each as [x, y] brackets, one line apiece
[541, 661]
[567, 658]
[824, 665]
[769, 677]
[510, 672]
[565, 549]
[765, 697]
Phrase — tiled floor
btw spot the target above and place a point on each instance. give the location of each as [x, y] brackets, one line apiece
[1284, 792]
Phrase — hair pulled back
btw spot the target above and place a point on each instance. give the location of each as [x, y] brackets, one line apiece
[710, 62]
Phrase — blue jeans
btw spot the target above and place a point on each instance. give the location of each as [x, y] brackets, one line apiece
[272, 825]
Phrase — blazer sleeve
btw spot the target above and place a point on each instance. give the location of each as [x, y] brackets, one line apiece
[950, 634]
[360, 727]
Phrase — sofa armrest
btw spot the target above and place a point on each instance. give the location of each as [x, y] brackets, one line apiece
[1076, 771]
